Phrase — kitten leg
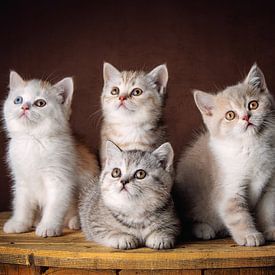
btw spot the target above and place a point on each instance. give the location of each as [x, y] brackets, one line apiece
[238, 220]
[113, 238]
[56, 205]
[72, 220]
[23, 215]
[160, 240]
[203, 231]
[266, 212]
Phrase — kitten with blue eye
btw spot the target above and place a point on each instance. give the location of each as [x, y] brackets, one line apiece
[132, 104]
[45, 162]
[226, 178]
[130, 205]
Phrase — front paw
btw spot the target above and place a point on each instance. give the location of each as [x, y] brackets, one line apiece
[123, 241]
[203, 231]
[269, 234]
[74, 223]
[160, 241]
[249, 239]
[46, 230]
[13, 226]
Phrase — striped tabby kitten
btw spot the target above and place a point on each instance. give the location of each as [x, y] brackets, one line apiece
[132, 108]
[130, 205]
[46, 165]
[227, 177]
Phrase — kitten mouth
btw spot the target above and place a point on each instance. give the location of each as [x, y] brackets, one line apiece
[123, 188]
[249, 124]
[24, 114]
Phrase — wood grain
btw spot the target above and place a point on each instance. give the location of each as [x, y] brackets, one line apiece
[72, 251]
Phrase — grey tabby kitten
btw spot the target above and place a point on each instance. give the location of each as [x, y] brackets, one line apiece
[130, 205]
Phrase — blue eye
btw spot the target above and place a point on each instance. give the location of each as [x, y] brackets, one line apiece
[18, 100]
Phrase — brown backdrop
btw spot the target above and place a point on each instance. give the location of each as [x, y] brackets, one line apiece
[205, 45]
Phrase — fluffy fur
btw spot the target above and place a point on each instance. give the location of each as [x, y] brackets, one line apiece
[132, 108]
[124, 211]
[226, 178]
[42, 156]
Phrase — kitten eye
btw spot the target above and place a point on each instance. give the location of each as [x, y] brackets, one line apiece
[140, 174]
[230, 115]
[253, 105]
[18, 100]
[136, 92]
[115, 91]
[40, 103]
[116, 173]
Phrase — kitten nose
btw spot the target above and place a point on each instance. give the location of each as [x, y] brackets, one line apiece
[246, 117]
[124, 182]
[25, 107]
[122, 97]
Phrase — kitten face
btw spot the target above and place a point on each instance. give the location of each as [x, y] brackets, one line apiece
[243, 110]
[132, 93]
[34, 103]
[135, 177]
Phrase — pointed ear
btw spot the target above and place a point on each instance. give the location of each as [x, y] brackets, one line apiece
[65, 89]
[160, 77]
[109, 71]
[112, 151]
[165, 154]
[256, 78]
[205, 102]
[15, 80]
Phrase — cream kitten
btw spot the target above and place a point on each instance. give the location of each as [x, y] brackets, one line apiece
[132, 108]
[131, 205]
[43, 157]
[226, 179]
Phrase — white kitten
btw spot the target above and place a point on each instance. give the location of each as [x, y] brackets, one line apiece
[41, 155]
[227, 176]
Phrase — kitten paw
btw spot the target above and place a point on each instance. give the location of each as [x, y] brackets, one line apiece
[13, 226]
[250, 239]
[269, 234]
[160, 241]
[74, 223]
[203, 231]
[44, 231]
[124, 241]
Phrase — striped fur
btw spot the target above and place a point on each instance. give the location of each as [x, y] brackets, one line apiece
[141, 213]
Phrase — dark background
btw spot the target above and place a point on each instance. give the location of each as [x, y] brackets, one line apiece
[206, 44]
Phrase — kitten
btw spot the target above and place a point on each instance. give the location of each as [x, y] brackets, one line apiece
[130, 205]
[43, 157]
[227, 175]
[132, 104]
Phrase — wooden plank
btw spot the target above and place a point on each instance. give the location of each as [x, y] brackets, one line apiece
[8, 269]
[241, 271]
[72, 251]
[160, 272]
[73, 271]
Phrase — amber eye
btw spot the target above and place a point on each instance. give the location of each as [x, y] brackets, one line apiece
[40, 103]
[253, 105]
[140, 174]
[116, 173]
[136, 92]
[230, 115]
[115, 91]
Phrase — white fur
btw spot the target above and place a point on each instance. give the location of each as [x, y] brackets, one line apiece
[41, 156]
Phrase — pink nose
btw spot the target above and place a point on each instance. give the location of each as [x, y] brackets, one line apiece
[122, 97]
[25, 107]
[246, 117]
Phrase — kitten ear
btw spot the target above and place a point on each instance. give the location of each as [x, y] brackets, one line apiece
[160, 77]
[109, 71]
[205, 102]
[112, 151]
[165, 154]
[256, 78]
[15, 80]
[65, 89]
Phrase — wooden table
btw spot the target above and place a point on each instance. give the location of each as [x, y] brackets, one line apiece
[72, 254]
